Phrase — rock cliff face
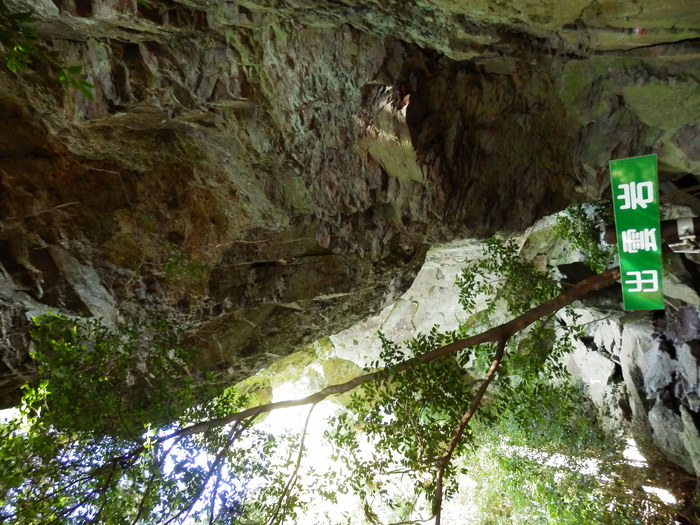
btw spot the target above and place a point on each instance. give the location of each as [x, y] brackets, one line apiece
[270, 171]
[640, 367]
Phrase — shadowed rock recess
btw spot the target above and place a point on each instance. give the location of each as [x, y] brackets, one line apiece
[270, 171]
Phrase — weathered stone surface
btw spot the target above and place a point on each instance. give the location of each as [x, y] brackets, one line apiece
[639, 368]
[595, 369]
[432, 299]
[86, 284]
[659, 393]
[667, 433]
[268, 173]
[691, 439]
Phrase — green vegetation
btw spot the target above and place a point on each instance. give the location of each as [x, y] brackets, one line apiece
[531, 416]
[583, 226]
[84, 446]
[549, 462]
[180, 269]
[21, 48]
[113, 381]
[110, 433]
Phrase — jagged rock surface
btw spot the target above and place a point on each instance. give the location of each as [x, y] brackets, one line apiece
[640, 368]
[268, 172]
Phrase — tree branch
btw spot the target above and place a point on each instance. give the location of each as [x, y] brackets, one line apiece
[292, 479]
[494, 335]
[499, 334]
[156, 471]
[234, 434]
[457, 436]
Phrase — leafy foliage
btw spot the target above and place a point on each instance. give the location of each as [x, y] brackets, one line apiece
[103, 436]
[407, 418]
[410, 417]
[21, 47]
[124, 378]
[532, 413]
[502, 275]
[52, 476]
[18, 37]
[581, 226]
[547, 461]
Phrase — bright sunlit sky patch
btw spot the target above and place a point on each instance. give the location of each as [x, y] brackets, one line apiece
[8, 413]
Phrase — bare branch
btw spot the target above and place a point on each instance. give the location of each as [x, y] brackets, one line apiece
[155, 472]
[215, 490]
[49, 210]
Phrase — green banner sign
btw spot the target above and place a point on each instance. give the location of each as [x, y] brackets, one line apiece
[635, 192]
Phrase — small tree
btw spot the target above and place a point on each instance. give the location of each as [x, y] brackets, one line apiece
[203, 458]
